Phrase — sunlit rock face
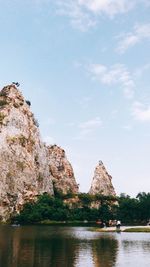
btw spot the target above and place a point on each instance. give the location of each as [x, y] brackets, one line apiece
[62, 171]
[101, 183]
[24, 166]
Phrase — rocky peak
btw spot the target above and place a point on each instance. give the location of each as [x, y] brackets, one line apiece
[12, 92]
[24, 166]
[101, 183]
[62, 172]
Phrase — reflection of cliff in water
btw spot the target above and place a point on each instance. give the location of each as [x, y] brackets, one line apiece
[105, 251]
[44, 246]
[97, 252]
[27, 247]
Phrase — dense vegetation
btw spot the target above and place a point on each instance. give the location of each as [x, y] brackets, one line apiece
[134, 209]
[62, 208]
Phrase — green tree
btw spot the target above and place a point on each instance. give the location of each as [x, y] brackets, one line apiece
[144, 206]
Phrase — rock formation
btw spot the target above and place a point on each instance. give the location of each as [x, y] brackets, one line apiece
[24, 166]
[62, 172]
[28, 167]
[101, 183]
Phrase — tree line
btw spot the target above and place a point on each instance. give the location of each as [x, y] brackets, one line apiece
[125, 208]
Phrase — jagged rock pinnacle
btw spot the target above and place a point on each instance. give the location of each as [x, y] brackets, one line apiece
[101, 183]
[62, 172]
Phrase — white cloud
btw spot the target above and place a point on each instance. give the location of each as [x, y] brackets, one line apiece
[109, 7]
[85, 102]
[88, 127]
[142, 70]
[139, 33]
[114, 75]
[78, 17]
[70, 124]
[48, 140]
[141, 112]
[91, 124]
[85, 13]
[127, 127]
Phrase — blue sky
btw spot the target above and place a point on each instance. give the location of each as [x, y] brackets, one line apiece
[84, 65]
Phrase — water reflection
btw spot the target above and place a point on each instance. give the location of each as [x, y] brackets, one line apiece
[35, 246]
[44, 246]
[105, 251]
[133, 245]
[55, 247]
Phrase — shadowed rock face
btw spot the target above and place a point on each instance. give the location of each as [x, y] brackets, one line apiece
[101, 183]
[62, 172]
[24, 166]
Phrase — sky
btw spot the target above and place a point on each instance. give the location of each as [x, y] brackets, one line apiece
[85, 67]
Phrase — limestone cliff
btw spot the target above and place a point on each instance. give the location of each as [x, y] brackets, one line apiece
[28, 167]
[101, 183]
[62, 172]
[24, 166]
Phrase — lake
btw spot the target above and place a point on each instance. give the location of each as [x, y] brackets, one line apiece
[55, 246]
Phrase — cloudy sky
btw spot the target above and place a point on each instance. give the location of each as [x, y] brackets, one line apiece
[85, 66]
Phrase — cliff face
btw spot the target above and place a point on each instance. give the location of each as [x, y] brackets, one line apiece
[28, 167]
[62, 172]
[24, 166]
[101, 183]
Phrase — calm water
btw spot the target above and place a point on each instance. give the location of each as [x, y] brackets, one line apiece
[47, 246]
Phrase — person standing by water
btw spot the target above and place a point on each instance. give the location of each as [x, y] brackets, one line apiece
[118, 224]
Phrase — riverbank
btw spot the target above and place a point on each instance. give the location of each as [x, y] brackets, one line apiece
[131, 229]
[68, 223]
[93, 226]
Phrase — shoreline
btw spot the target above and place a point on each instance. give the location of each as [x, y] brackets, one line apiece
[127, 229]
[91, 225]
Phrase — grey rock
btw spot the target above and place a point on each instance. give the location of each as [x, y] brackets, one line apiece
[62, 172]
[102, 181]
[24, 166]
